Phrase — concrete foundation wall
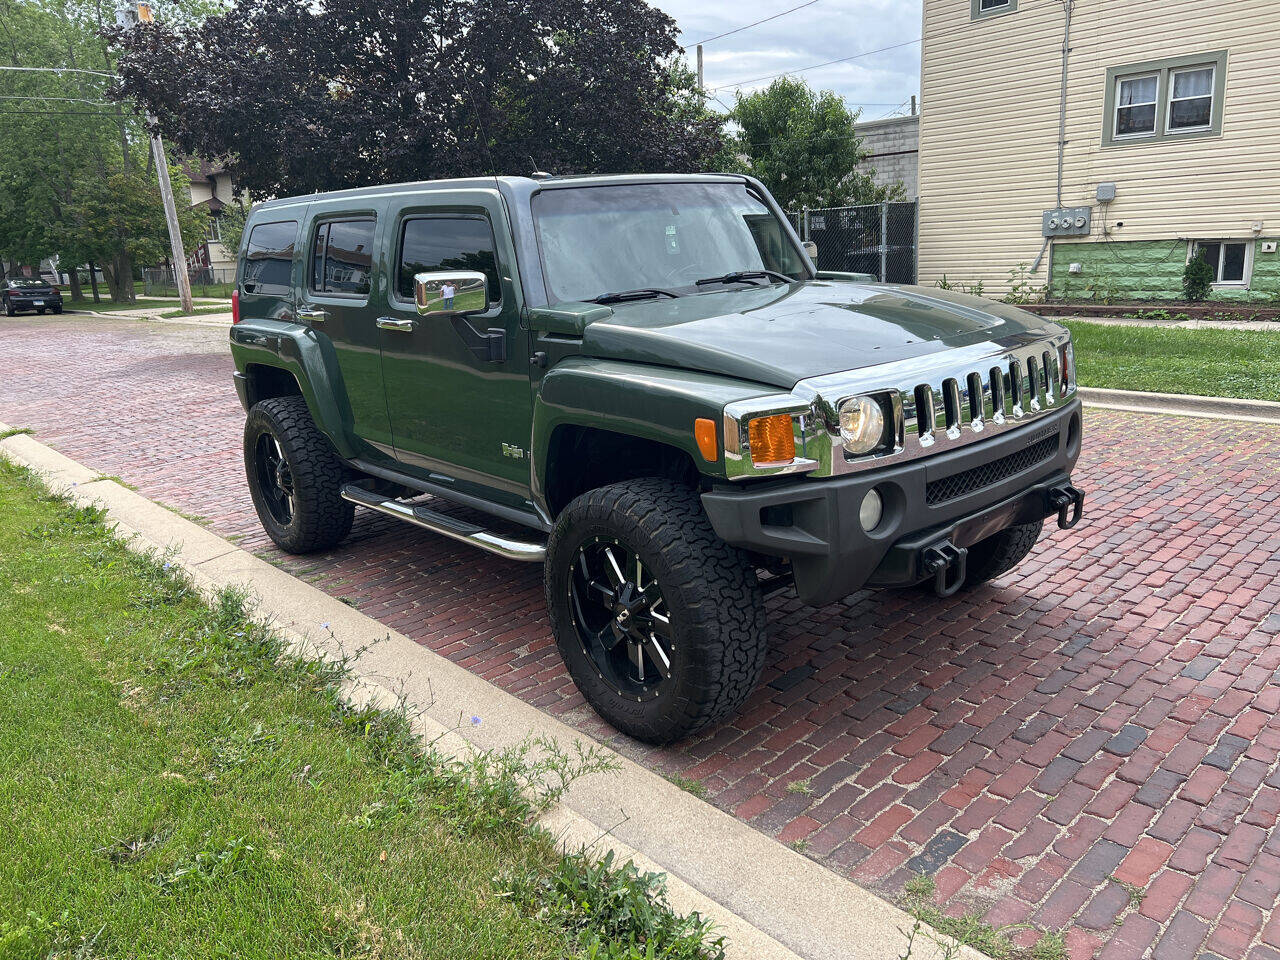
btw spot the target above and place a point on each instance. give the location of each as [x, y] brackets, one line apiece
[1148, 270]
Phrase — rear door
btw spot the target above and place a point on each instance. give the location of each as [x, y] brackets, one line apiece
[454, 411]
[337, 299]
[266, 270]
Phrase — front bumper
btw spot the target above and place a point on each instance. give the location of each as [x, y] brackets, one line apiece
[927, 502]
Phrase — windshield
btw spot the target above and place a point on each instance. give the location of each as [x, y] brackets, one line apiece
[28, 283]
[666, 236]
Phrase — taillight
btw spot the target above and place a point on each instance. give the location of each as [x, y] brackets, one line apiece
[235, 306]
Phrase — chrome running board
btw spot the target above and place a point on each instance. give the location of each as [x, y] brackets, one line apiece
[451, 527]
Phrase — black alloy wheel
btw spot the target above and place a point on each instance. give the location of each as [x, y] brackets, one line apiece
[621, 618]
[275, 479]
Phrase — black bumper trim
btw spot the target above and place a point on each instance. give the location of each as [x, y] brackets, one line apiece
[814, 522]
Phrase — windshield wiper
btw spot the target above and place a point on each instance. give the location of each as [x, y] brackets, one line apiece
[644, 293]
[739, 276]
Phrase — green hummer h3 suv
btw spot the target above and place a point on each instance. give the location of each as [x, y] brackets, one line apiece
[643, 383]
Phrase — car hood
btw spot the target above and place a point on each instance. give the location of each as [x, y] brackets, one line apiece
[783, 334]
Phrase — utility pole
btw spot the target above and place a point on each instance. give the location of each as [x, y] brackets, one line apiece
[175, 231]
[132, 16]
[700, 66]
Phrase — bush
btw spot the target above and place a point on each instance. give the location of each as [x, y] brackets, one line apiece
[1197, 279]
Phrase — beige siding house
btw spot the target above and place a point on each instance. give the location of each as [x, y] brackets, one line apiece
[1171, 121]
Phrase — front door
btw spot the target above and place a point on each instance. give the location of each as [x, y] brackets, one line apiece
[455, 412]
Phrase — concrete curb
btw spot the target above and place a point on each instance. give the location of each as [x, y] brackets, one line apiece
[1182, 405]
[770, 902]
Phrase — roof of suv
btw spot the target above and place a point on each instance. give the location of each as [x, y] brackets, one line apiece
[514, 184]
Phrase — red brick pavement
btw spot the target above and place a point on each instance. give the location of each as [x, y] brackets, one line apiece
[1107, 710]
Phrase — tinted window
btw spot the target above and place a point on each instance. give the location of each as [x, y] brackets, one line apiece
[268, 259]
[342, 258]
[446, 243]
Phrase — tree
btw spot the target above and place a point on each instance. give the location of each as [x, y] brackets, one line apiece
[77, 180]
[231, 224]
[804, 147]
[296, 96]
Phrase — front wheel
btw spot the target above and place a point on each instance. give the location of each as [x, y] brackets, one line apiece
[8, 308]
[660, 622]
[295, 477]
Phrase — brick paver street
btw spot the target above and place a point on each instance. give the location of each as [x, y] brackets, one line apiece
[1100, 722]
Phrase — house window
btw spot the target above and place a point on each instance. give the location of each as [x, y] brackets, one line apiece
[1177, 98]
[990, 8]
[215, 230]
[1232, 260]
[1191, 99]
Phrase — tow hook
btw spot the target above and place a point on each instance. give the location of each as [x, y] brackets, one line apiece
[1069, 502]
[947, 563]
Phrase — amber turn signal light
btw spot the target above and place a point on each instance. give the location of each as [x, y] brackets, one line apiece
[772, 439]
[704, 431]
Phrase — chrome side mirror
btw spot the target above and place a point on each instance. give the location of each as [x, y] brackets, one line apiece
[442, 293]
[811, 249]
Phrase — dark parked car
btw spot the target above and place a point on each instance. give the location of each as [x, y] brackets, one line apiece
[644, 384]
[29, 293]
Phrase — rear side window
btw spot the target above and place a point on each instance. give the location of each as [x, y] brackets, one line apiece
[342, 257]
[447, 243]
[268, 259]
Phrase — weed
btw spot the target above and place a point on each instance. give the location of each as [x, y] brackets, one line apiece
[17, 431]
[801, 845]
[208, 865]
[974, 289]
[696, 787]
[1021, 289]
[970, 928]
[1135, 892]
[612, 911]
[800, 786]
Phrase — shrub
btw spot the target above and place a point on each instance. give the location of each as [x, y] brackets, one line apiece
[1197, 279]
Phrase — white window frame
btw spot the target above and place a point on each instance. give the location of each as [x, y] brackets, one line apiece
[214, 231]
[1242, 284]
[1118, 106]
[1169, 128]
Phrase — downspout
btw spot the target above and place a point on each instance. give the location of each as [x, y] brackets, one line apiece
[1068, 7]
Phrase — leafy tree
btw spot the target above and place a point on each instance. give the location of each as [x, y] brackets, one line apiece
[231, 223]
[297, 96]
[804, 147]
[77, 179]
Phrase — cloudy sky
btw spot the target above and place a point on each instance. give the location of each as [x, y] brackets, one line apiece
[822, 31]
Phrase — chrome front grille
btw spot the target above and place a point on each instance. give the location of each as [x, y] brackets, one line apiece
[1019, 387]
[955, 397]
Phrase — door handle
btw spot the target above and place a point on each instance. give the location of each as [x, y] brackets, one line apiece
[310, 315]
[391, 323]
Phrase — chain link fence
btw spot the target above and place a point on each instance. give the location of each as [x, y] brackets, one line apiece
[878, 238]
[205, 281]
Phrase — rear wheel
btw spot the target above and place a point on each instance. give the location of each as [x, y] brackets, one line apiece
[660, 622]
[295, 477]
[8, 308]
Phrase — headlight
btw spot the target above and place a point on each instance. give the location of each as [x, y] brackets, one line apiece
[861, 425]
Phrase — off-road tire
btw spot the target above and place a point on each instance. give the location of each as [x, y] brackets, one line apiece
[999, 553]
[321, 518]
[710, 589]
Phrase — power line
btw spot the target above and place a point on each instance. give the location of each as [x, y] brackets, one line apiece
[729, 33]
[113, 117]
[96, 73]
[787, 73]
[91, 103]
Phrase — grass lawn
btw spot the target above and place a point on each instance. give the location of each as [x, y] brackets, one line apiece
[1222, 363]
[173, 785]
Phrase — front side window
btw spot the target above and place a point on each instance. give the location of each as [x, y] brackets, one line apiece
[342, 257]
[1164, 100]
[1136, 105]
[665, 236]
[268, 258]
[1230, 259]
[448, 243]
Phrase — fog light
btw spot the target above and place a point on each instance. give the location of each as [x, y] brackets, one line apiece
[861, 425]
[871, 511]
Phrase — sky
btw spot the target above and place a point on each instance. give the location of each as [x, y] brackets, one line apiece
[822, 31]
